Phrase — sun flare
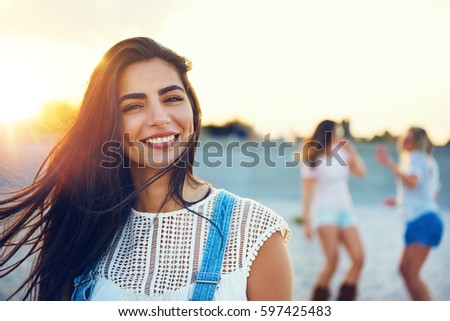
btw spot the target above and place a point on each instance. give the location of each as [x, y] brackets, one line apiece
[21, 93]
[13, 111]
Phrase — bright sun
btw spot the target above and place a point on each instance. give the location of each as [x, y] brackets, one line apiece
[13, 110]
[21, 94]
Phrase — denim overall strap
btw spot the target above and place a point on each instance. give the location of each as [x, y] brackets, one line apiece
[83, 286]
[208, 277]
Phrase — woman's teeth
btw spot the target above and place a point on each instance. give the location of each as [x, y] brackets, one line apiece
[160, 140]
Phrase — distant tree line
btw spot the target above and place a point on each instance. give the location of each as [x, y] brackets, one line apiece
[55, 116]
[235, 128]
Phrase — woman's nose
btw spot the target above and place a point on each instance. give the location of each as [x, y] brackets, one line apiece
[158, 116]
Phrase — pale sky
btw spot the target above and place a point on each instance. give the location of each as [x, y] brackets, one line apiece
[282, 66]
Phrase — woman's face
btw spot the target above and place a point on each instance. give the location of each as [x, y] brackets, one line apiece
[338, 134]
[156, 113]
[408, 142]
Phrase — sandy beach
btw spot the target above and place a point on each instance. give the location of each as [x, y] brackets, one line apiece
[382, 233]
[278, 187]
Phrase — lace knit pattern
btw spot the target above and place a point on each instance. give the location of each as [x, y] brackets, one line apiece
[160, 253]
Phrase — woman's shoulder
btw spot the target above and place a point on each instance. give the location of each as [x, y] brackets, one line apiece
[242, 201]
[255, 218]
[252, 225]
[420, 158]
[418, 154]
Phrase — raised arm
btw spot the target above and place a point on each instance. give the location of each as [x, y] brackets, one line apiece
[355, 162]
[409, 180]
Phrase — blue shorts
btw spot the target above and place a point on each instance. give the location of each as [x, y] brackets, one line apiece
[341, 218]
[426, 230]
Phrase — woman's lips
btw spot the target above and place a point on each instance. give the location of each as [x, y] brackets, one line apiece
[161, 141]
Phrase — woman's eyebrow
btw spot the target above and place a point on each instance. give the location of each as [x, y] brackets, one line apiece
[132, 96]
[164, 90]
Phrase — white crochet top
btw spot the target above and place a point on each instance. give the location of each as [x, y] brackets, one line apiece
[157, 255]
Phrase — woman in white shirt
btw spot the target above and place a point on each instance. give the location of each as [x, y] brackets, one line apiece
[328, 161]
[117, 201]
[418, 188]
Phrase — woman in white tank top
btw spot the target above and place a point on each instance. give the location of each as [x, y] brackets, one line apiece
[328, 161]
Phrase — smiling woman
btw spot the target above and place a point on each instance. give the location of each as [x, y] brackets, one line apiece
[140, 230]
[153, 98]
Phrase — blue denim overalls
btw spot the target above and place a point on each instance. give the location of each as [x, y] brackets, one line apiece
[208, 277]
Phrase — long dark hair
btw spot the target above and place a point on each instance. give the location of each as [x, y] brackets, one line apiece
[73, 209]
[319, 143]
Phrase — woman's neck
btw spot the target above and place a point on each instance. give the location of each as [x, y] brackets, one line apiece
[151, 199]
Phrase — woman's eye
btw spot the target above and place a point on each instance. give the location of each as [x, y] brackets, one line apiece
[131, 107]
[174, 98]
